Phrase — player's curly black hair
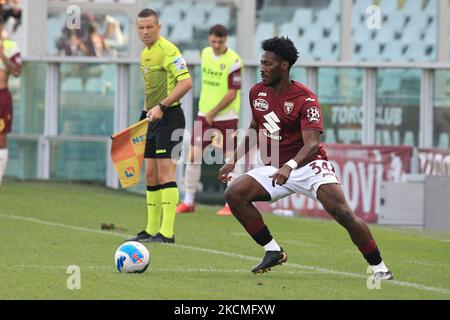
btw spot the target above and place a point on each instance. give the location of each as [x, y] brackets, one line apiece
[282, 47]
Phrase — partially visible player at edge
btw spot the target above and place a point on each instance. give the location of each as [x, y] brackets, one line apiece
[167, 80]
[10, 64]
[219, 108]
[292, 115]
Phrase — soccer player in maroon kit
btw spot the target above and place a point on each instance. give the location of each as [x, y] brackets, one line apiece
[287, 114]
[10, 64]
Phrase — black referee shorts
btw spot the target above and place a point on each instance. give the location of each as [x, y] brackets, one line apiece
[160, 141]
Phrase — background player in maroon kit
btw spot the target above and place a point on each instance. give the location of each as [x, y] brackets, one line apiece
[287, 114]
[10, 64]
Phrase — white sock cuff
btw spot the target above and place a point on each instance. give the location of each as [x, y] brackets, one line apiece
[189, 198]
[272, 246]
[380, 268]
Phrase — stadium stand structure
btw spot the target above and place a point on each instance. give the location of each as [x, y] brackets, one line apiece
[314, 26]
[187, 23]
[403, 35]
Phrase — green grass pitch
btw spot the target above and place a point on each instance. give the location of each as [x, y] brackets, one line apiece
[46, 227]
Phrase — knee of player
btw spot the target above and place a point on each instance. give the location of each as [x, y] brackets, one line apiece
[235, 195]
[166, 177]
[151, 176]
[232, 197]
[151, 179]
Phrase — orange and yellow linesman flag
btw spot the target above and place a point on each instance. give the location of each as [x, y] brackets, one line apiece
[127, 152]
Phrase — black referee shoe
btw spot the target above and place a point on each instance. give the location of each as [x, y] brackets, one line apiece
[271, 259]
[141, 236]
[160, 238]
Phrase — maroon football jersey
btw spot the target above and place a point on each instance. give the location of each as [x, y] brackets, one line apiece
[281, 120]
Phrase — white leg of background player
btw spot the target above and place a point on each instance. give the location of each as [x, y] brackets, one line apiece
[3, 162]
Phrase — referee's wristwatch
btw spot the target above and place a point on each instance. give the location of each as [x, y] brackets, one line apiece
[163, 107]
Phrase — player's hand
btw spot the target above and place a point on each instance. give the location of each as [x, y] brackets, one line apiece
[281, 176]
[224, 172]
[209, 119]
[154, 114]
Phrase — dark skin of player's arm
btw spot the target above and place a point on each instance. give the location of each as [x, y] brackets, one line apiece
[311, 139]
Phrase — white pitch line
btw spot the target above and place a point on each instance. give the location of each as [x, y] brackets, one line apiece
[229, 254]
[153, 269]
[436, 239]
[425, 263]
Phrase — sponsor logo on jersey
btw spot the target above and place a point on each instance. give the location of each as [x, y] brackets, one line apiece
[262, 94]
[179, 63]
[272, 125]
[212, 72]
[288, 107]
[272, 136]
[313, 114]
[261, 104]
[310, 99]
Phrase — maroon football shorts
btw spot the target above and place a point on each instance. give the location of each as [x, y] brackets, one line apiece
[221, 134]
[5, 111]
